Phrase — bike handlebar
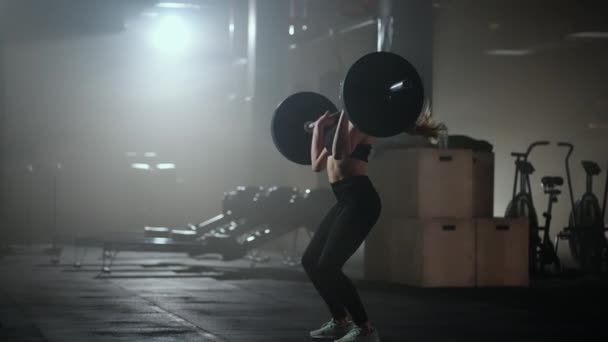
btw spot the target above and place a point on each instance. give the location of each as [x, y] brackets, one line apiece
[536, 143]
[570, 148]
[568, 145]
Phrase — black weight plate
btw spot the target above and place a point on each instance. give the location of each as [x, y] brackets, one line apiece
[370, 104]
[287, 127]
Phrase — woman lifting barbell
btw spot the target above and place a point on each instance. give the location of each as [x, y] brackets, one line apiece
[347, 224]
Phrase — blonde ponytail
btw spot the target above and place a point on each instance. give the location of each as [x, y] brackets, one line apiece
[427, 126]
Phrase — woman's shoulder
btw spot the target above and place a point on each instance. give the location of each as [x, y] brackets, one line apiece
[368, 140]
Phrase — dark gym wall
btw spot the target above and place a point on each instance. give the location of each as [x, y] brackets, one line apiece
[553, 93]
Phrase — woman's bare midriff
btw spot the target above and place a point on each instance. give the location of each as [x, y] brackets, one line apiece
[340, 169]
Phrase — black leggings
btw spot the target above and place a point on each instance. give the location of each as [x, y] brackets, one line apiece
[340, 234]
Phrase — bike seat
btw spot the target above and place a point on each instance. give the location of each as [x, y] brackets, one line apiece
[550, 181]
[518, 154]
[524, 167]
[591, 167]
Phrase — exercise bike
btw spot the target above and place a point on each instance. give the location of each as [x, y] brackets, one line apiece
[547, 251]
[541, 251]
[586, 230]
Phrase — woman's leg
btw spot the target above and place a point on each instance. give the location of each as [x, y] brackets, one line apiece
[348, 232]
[310, 262]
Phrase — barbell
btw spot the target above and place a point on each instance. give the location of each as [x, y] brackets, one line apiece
[382, 94]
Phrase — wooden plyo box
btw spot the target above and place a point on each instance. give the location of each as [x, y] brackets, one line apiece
[502, 252]
[433, 183]
[481, 252]
[422, 252]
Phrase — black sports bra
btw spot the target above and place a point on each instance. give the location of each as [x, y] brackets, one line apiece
[361, 151]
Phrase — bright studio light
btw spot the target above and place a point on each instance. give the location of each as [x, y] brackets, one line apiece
[140, 166]
[165, 166]
[589, 35]
[509, 52]
[171, 34]
[178, 5]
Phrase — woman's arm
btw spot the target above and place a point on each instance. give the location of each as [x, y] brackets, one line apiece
[345, 139]
[318, 152]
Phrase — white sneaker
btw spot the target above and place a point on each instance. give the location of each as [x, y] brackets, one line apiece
[331, 330]
[356, 334]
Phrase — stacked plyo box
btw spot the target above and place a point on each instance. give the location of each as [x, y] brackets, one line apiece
[437, 227]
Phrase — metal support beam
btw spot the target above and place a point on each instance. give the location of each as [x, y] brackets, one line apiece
[385, 26]
[251, 47]
[2, 140]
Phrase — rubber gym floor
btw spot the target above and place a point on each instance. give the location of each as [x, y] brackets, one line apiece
[169, 297]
